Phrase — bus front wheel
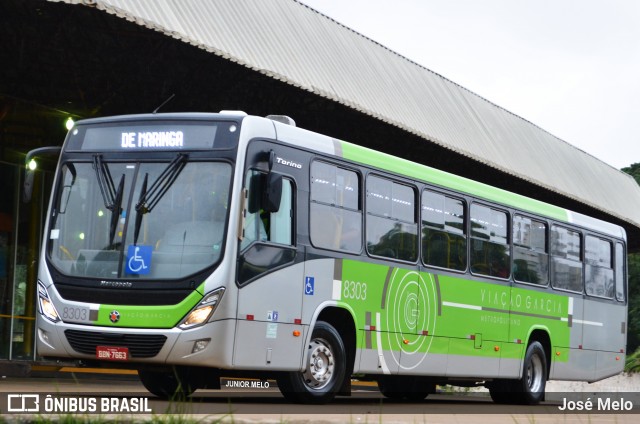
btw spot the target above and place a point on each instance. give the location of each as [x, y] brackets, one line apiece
[325, 368]
[168, 385]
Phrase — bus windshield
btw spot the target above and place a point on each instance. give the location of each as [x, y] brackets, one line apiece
[160, 220]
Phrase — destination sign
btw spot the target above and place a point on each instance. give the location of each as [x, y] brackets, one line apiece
[153, 139]
[136, 137]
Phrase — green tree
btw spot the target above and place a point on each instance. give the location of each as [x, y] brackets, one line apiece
[633, 336]
[634, 171]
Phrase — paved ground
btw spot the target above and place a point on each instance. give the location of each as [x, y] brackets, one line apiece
[125, 394]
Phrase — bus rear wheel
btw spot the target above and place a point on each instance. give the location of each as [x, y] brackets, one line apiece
[173, 384]
[528, 390]
[325, 368]
[409, 388]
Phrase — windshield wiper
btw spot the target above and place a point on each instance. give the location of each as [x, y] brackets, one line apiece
[139, 210]
[148, 199]
[105, 182]
[116, 211]
[112, 198]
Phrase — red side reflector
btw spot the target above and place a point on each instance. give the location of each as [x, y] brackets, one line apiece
[425, 333]
[297, 321]
[249, 317]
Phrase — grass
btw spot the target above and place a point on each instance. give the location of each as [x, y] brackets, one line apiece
[632, 364]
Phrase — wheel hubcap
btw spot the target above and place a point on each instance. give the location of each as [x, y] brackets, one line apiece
[320, 365]
[535, 374]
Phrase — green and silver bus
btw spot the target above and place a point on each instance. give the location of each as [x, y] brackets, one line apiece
[197, 246]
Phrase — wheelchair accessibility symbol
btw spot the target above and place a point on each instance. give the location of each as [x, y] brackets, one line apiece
[309, 286]
[139, 259]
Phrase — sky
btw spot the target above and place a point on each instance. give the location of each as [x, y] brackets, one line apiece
[571, 67]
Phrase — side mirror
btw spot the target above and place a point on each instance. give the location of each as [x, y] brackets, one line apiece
[272, 193]
[27, 187]
[265, 192]
[31, 164]
[254, 201]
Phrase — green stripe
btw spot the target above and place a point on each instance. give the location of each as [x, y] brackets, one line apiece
[134, 316]
[424, 173]
[419, 314]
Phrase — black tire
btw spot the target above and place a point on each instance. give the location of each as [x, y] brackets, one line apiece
[391, 388]
[500, 391]
[529, 389]
[325, 362]
[413, 389]
[174, 384]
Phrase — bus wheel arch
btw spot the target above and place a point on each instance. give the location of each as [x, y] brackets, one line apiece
[529, 389]
[324, 368]
[536, 363]
[328, 360]
[342, 320]
[542, 337]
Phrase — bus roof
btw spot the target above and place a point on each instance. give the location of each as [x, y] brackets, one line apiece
[406, 168]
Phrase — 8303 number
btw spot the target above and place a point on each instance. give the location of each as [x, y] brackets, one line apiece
[75, 314]
[354, 290]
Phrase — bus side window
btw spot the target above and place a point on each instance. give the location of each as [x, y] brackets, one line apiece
[489, 242]
[444, 241]
[335, 213]
[280, 224]
[620, 276]
[598, 270]
[530, 258]
[392, 224]
[275, 227]
[268, 237]
[566, 263]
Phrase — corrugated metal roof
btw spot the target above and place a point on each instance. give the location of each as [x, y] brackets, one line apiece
[291, 42]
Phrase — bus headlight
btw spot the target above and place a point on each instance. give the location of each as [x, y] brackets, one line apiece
[203, 310]
[46, 306]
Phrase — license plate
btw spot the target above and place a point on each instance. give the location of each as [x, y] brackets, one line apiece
[112, 353]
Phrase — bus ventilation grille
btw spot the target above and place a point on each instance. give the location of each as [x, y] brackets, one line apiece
[139, 345]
